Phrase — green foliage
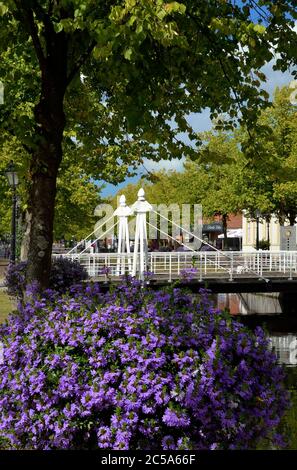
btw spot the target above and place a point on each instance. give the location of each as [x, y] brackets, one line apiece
[227, 176]
[77, 196]
[270, 176]
[212, 176]
[145, 62]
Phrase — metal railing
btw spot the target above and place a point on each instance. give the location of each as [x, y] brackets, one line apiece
[208, 265]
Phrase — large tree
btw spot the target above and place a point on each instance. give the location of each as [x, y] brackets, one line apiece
[269, 177]
[148, 63]
[211, 177]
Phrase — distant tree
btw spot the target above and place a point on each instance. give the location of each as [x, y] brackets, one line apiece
[77, 196]
[211, 178]
[225, 178]
[269, 179]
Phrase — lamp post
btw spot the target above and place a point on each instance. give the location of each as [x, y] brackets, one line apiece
[268, 232]
[13, 180]
[258, 214]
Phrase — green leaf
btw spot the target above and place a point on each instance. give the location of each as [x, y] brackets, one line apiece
[128, 53]
[139, 28]
[3, 9]
[58, 27]
[259, 28]
[175, 7]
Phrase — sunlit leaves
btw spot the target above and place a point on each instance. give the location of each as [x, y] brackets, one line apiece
[3, 8]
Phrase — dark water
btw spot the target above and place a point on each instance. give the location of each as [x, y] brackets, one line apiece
[276, 313]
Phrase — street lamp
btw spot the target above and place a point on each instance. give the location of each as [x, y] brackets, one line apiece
[268, 230]
[13, 181]
[258, 215]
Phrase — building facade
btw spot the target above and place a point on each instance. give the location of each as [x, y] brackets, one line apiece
[277, 237]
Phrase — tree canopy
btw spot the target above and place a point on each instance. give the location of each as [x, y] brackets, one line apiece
[272, 175]
[223, 177]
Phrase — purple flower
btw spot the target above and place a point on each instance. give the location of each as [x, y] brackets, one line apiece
[134, 368]
[188, 274]
[175, 419]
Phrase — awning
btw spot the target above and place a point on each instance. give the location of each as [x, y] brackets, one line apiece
[213, 227]
[233, 233]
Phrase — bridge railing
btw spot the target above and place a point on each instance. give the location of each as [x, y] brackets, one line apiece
[171, 265]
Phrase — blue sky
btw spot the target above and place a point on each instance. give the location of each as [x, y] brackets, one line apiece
[200, 122]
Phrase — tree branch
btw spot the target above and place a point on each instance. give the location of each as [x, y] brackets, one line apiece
[29, 17]
[50, 7]
[261, 12]
[215, 48]
[80, 62]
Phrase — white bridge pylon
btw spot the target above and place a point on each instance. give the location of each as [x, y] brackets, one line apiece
[140, 256]
[123, 212]
[141, 207]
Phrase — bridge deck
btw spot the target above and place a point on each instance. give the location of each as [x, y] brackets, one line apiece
[231, 271]
[218, 285]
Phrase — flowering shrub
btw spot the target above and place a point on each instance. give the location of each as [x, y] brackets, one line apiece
[64, 273]
[135, 369]
[188, 274]
[15, 277]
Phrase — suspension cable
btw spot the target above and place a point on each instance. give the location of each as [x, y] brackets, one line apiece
[206, 243]
[96, 229]
[181, 243]
[110, 228]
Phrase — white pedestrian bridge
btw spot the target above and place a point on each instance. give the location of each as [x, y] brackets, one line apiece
[199, 265]
[189, 264]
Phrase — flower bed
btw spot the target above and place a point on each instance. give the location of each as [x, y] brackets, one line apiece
[135, 369]
[64, 273]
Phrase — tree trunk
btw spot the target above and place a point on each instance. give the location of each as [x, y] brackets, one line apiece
[44, 170]
[46, 159]
[224, 222]
[52, 54]
[282, 219]
[42, 206]
[292, 218]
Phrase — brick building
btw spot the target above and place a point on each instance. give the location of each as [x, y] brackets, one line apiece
[213, 230]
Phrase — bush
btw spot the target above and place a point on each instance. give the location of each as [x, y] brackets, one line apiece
[264, 245]
[15, 279]
[135, 369]
[64, 273]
